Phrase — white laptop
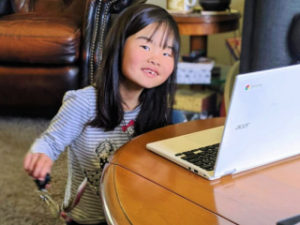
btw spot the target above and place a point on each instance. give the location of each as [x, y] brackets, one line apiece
[262, 126]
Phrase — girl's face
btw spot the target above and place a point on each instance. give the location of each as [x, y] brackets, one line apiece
[148, 58]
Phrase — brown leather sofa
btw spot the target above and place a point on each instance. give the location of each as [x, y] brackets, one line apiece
[48, 47]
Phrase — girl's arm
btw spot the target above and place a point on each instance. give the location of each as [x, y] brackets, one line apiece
[64, 128]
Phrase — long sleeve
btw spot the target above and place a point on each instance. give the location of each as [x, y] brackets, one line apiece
[66, 126]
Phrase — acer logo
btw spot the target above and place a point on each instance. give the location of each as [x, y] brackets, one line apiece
[242, 126]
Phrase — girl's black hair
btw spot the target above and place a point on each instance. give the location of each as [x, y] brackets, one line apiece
[156, 103]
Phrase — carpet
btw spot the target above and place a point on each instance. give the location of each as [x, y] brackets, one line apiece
[20, 203]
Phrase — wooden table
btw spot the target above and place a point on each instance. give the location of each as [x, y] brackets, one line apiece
[198, 26]
[141, 188]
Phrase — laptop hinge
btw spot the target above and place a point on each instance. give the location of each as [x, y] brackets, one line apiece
[229, 172]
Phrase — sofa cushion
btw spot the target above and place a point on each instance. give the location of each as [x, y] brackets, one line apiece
[38, 86]
[55, 40]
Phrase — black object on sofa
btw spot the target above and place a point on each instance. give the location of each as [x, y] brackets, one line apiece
[265, 37]
[294, 38]
[48, 47]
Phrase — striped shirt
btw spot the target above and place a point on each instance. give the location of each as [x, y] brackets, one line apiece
[86, 146]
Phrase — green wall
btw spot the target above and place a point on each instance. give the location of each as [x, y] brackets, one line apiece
[216, 43]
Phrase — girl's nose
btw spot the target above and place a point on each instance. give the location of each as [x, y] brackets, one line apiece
[154, 61]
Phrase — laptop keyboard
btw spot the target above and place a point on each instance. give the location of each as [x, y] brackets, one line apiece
[204, 157]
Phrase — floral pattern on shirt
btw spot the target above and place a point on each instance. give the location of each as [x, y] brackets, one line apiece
[103, 151]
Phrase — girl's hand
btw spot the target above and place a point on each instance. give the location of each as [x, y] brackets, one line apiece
[37, 165]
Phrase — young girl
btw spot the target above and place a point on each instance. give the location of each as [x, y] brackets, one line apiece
[133, 94]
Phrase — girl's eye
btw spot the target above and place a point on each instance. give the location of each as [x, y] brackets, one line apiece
[168, 54]
[145, 47]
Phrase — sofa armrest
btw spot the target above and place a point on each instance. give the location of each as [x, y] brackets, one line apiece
[94, 28]
[5, 7]
[118, 6]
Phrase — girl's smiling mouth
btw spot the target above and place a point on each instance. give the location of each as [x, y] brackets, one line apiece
[150, 72]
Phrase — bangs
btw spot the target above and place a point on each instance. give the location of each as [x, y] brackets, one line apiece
[168, 34]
